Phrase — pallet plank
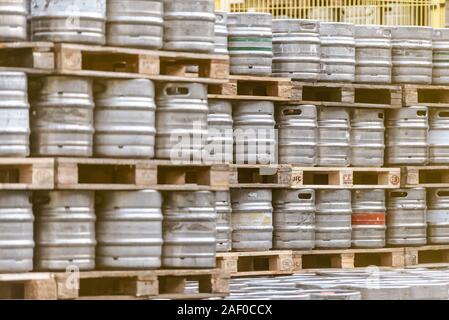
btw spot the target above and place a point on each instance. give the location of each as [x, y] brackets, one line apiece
[425, 176]
[259, 176]
[347, 95]
[27, 173]
[432, 96]
[252, 88]
[45, 58]
[123, 174]
[348, 258]
[427, 255]
[109, 284]
[345, 178]
[245, 264]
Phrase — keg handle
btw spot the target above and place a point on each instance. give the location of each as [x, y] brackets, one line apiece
[398, 194]
[177, 91]
[421, 113]
[305, 196]
[443, 193]
[307, 25]
[443, 114]
[219, 17]
[291, 112]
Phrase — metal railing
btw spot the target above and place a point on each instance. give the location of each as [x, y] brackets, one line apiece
[385, 12]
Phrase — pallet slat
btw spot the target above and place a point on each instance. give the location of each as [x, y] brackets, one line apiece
[347, 95]
[252, 88]
[114, 174]
[259, 176]
[426, 176]
[348, 258]
[248, 264]
[427, 256]
[112, 62]
[432, 96]
[26, 174]
[137, 284]
[286, 176]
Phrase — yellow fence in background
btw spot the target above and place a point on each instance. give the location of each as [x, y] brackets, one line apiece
[392, 12]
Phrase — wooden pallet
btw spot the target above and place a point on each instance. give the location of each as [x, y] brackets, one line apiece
[249, 264]
[137, 284]
[112, 62]
[115, 174]
[124, 62]
[426, 177]
[348, 258]
[259, 176]
[432, 96]
[33, 57]
[344, 178]
[26, 174]
[252, 88]
[347, 95]
[427, 256]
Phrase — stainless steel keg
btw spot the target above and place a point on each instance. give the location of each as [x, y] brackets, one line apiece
[224, 225]
[368, 218]
[189, 25]
[412, 54]
[406, 217]
[14, 115]
[373, 54]
[64, 230]
[220, 134]
[135, 23]
[16, 232]
[294, 219]
[407, 136]
[438, 216]
[77, 21]
[62, 116]
[181, 121]
[129, 229]
[13, 20]
[296, 49]
[189, 230]
[254, 132]
[367, 138]
[124, 118]
[252, 219]
[297, 135]
[333, 219]
[337, 52]
[250, 43]
[439, 136]
[334, 137]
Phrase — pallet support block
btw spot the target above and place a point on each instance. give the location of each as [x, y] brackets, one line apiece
[431, 255]
[41, 290]
[432, 96]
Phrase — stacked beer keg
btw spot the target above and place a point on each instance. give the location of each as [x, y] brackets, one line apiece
[87, 117]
